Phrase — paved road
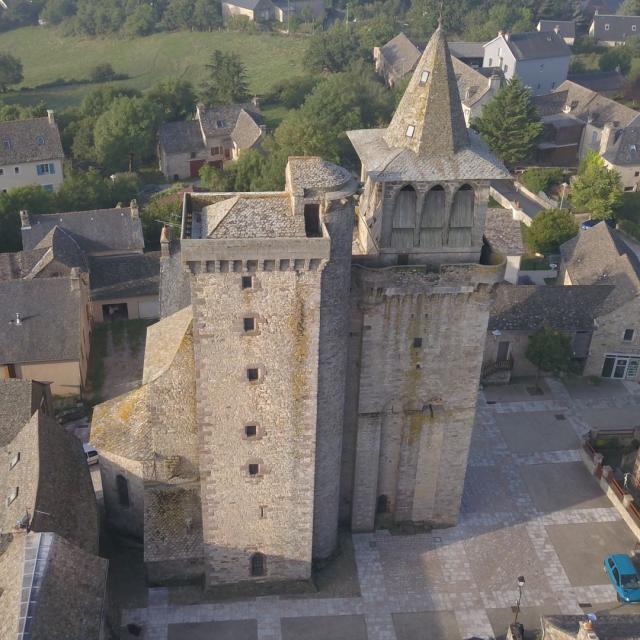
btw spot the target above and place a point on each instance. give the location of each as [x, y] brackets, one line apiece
[506, 188]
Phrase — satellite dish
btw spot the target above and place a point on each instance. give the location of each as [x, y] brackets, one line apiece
[592, 616]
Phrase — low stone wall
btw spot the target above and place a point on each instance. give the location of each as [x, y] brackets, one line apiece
[542, 199]
[538, 276]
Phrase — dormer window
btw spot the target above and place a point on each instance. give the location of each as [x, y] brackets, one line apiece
[7, 144]
[219, 124]
[424, 76]
[40, 140]
[633, 27]
[410, 131]
[606, 27]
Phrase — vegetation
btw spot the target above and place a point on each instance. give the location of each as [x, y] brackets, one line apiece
[539, 179]
[332, 51]
[510, 124]
[550, 229]
[550, 351]
[616, 58]
[10, 71]
[227, 80]
[596, 189]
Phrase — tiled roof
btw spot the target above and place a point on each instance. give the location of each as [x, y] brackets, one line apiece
[245, 4]
[605, 627]
[95, 231]
[312, 173]
[472, 85]
[599, 81]
[49, 330]
[503, 233]
[220, 121]
[534, 45]
[615, 28]
[31, 140]
[626, 149]
[600, 256]
[467, 49]
[246, 131]
[132, 275]
[400, 54]
[566, 28]
[19, 399]
[527, 307]
[181, 137]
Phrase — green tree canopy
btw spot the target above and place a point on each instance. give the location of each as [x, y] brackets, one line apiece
[596, 189]
[550, 229]
[616, 58]
[207, 15]
[332, 51]
[227, 80]
[141, 22]
[33, 199]
[510, 124]
[10, 71]
[175, 98]
[550, 351]
[629, 8]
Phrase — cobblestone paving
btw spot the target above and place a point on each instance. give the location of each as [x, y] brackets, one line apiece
[470, 569]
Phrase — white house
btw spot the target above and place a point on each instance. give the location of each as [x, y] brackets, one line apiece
[31, 153]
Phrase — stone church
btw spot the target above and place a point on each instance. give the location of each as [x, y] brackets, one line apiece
[319, 355]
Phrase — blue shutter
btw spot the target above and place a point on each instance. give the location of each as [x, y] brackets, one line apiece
[39, 169]
[52, 168]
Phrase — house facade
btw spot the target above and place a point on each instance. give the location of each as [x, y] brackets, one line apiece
[539, 59]
[31, 153]
[255, 10]
[614, 30]
[214, 137]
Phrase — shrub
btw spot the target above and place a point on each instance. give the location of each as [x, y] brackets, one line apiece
[550, 229]
[538, 180]
[102, 72]
[630, 228]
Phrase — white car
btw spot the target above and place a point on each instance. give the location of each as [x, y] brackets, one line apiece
[90, 453]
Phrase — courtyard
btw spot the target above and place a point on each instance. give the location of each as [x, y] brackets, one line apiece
[529, 508]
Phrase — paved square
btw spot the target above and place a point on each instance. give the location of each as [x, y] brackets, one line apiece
[564, 485]
[536, 431]
[324, 628]
[613, 418]
[487, 491]
[426, 625]
[582, 548]
[226, 630]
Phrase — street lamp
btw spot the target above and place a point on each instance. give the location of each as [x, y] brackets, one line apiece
[564, 189]
[517, 611]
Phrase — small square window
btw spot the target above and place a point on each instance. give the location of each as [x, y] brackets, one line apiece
[14, 461]
[424, 76]
[635, 175]
[254, 469]
[252, 375]
[417, 343]
[16, 169]
[410, 131]
[219, 124]
[633, 27]
[263, 512]
[247, 282]
[251, 431]
[628, 335]
[403, 259]
[249, 324]
[193, 154]
[606, 27]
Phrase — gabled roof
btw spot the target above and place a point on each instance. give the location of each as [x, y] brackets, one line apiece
[600, 256]
[247, 131]
[95, 231]
[534, 45]
[221, 121]
[31, 140]
[564, 308]
[503, 233]
[19, 400]
[246, 4]
[467, 49]
[599, 81]
[400, 54]
[49, 330]
[566, 28]
[614, 28]
[181, 137]
[472, 85]
[626, 148]
[137, 274]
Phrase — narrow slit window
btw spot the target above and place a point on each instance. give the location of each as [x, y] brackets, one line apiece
[410, 131]
[249, 324]
[424, 76]
[247, 282]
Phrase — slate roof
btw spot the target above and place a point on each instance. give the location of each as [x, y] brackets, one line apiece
[19, 399]
[427, 138]
[566, 28]
[181, 137]
[467, 49]
[221, 121]
[472, 85]
[245, 4]
[534, 45]
[247, 131]
[600, 256]
[599, 81]
[312, 173]
[128, 276]
[50, 327]
[95, 231]
[400, 54]
[605, 627]
[564, 308]
[503, 233]
[31, 140]
[626, 149]
[619, 27]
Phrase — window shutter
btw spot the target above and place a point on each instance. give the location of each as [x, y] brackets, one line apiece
[52, 168]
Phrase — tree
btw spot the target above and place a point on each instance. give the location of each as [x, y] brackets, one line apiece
[616, 58]
[160, 209]
[228, 80]
[596, 189]
[550, 351]
[55, 11]
[550, 229]
[331, 51]
[10, 71]
[175, 98]
[102, 72]
[141, 22]
[510, 124]
[33, 199]
[125, 134]
[217, 179]
[629, 8]
[207, 15]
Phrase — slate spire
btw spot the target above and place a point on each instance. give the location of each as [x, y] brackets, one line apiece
[429, 118]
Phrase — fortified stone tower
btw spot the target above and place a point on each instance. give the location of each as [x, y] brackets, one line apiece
[269, 288]
[419, 306]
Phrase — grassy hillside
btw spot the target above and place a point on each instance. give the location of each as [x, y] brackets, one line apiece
[47, 55]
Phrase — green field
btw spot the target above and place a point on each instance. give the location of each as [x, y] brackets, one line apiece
[47, 55]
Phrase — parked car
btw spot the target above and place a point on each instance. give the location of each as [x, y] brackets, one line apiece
[90, 453]
[623, 576]
[587, 224]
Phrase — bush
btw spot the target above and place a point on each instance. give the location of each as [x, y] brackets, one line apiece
[550, 229]
[630, 228]
[538, 180]
[292, 92]
[102, 72]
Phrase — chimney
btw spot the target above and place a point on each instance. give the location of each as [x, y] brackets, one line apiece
[74, 278]
[135, 213]
[18, 320]
[557, 29]
[165, 242]
[494, 83]
[608, 136]
[506, 36]
[25, 222]
[501, 32]
[50, 116]
[586, 632]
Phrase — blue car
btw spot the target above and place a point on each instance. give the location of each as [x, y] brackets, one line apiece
[623, 576]
[588, 224]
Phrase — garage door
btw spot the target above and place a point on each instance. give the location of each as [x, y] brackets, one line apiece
[149, 309]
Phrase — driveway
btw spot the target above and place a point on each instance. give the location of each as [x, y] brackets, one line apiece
[506, 188]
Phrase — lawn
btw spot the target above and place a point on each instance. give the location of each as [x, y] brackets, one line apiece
[47, 55]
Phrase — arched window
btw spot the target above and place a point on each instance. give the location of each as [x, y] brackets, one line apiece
[123, 490]
[258, 564]
[432, 219]
[404, 219]
[382, 505]
[461, 221]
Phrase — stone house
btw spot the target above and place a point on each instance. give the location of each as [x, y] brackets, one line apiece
[539, 59]
[606, 83]
[31, 153]
[613, 30]
[48, 525]
[517, 312]
[215, 136]
[566, 29]
[313, 356]
[46, 328]
[503, 239]
[396, 59]
[255, 10]
[600, 256]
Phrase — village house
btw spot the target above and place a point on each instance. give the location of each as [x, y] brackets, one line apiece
[613, 30]
[278, 10]
[606, 83]
[31, 153]
[48, 525]
[600, 256]
[566, 29]
[539, 59]
[255, 10]
[215, 136]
